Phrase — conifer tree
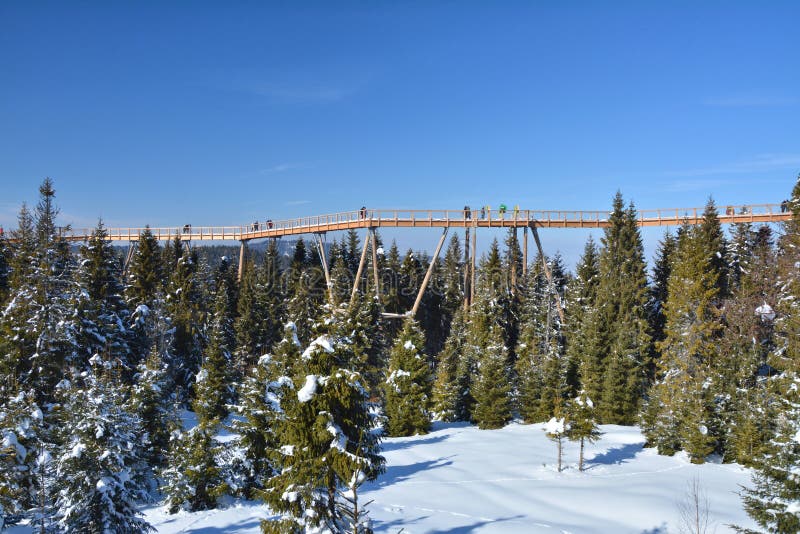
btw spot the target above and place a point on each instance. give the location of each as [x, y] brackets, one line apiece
[680, 409]
[580, 309]
[213, 391]
[152, 402]
[582, 423]
[446, 388]
[260, 411]
[185, 308]
[492, 387]
[326, 436]
[556, 429]
[407, 389]
[618, 363]
[101, 313]
[95, 475]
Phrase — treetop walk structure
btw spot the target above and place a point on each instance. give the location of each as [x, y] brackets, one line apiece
[467, 218]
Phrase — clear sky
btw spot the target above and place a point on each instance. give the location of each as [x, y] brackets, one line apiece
[164, 113]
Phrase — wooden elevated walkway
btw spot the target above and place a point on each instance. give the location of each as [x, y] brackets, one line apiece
[378, 218]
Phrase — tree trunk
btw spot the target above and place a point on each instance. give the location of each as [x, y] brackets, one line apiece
[580, 461]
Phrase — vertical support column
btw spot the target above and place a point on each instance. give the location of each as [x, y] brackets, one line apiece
[429, 273]
[467, 259]
[472, 264]
[375, 262]
[323, 259]
[242, 252]
[360, 270]
[514, 266]
[548, 273]
[524, 251]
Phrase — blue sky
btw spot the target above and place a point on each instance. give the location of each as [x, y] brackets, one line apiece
[163, 113]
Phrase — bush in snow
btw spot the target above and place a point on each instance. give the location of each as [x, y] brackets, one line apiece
[582, 422]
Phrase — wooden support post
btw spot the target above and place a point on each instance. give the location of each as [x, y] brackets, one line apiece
[548, 273]
[428, 274]
[242, 252]
[466, 269]
[129, 256]
[323, 259]
[514, 265]
[360, 270]
[472, 266]
[375, 262]
[524, 251]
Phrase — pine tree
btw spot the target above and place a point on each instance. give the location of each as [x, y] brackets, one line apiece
[185, 307]
[152, 402]
[213, 391]
[582, 423]
[260, 410]
[580, 309]
[95, 477]
[492, 388]
[326, 436]
[681, 402]
[621, 332]
[407, 390]
[446, 389]
[556, 430]
[101, 313]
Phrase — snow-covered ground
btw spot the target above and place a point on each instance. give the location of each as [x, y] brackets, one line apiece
[461, 479]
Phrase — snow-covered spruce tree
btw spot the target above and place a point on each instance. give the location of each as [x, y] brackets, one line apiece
[153, 403]
[492, 387]
[541, 367]
[582, 421]
[21, 430]
[659, 293]
[185, 305]
[101, 314]
[259, 411]
[193, 479]
[327, 435]
[5, 269]
[680, 412]
[556, 429]
[407, 389]
[213, 390]
[580, 306]
[367, 340]
[446, 390]
[95, 474]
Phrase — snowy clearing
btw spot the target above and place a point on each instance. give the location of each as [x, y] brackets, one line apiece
[461, 479]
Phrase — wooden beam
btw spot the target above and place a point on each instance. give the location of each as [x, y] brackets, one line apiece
[360, 270]
[242, 251]
[524, 251]
[548, 274]
[428, 274]
[466, 269]
[472, 266]
[129, 256]
[323, 259]
[375, 263]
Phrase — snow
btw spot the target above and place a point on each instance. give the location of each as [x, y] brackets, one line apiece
[554, 426]
[323, 342]
[408, 345]
[461, 479]
[308, 390]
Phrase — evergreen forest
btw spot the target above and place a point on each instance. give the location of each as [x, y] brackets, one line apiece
[115, 379]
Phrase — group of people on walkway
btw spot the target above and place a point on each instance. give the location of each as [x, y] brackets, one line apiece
[501, 211]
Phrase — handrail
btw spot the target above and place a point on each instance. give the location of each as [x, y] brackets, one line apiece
[428, 218]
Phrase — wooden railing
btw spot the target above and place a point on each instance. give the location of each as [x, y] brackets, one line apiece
[480, 217]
